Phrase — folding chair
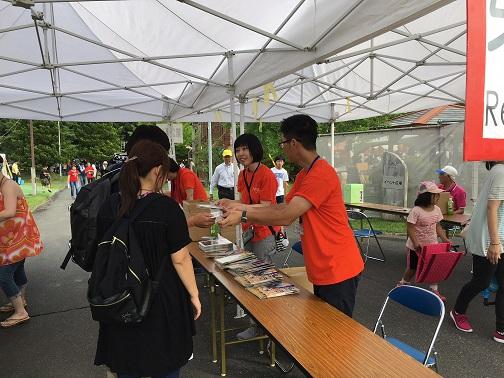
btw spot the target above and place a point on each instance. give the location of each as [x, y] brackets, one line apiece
[295, 247]
[424, 302]
[366, 233]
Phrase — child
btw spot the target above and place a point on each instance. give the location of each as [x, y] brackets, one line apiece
[423, 228]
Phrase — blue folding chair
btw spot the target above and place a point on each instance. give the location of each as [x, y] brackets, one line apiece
[296, 247]
[424, 302]
[365, 233]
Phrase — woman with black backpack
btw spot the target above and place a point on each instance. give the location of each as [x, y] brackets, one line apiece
[161, 343]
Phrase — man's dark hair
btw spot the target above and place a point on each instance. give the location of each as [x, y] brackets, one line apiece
[1, 159]
[174, 167]
[152, 133]
[301, 127]
[252, 143]
[279, 158]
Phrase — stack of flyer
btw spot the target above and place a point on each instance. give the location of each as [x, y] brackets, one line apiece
[261, 278]
[216, 247]
[276, 289]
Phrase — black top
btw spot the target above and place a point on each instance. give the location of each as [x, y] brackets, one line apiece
[163, 341]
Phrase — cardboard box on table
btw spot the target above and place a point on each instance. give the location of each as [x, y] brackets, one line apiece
[443, 202]
[197, 233]
[353, 193]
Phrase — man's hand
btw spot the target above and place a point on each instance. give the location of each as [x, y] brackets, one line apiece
[230, 205]
[231, 218]
[494, 253]
[203, 220]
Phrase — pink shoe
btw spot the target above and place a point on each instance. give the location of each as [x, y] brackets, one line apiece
[499, 337]
[462, 322]
[441, 296]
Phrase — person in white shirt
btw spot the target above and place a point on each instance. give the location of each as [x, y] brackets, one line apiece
[282, 178]
[223, 177]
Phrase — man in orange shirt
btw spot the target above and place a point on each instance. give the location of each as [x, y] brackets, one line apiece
[332, 257]
[186, 185]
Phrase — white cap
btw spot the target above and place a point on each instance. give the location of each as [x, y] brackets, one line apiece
[447, 170]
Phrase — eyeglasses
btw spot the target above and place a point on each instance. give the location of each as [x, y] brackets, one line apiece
[281, 144]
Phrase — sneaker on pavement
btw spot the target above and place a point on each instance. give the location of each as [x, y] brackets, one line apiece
[441, 296]
[249, 333]
[461, 321]
[499, 337]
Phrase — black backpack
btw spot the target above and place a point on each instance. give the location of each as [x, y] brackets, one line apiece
[83, 218]
[121, 289]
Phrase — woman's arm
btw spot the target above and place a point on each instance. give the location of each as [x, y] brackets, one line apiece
[495, 247]
[189, 194]
[9, 192]
[412, 235]
[441, 233]
[183, 265]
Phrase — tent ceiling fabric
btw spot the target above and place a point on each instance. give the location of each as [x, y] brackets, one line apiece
[166, 59]
[417, 66]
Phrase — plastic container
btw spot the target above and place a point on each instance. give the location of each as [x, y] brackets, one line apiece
[449, 210]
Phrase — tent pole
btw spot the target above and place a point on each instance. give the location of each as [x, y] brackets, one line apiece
[59, 146]
[210, 154]
[332, 134]
[32, 148]
[242, 115]
[239, 240]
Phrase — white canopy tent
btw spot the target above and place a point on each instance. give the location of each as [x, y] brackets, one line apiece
[417, 66]
[167, 60]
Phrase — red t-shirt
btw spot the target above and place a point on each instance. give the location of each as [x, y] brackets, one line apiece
[73, 175]
[458, 194]
[89, 172]
[330, 251]
[263, 187]
[187, 179]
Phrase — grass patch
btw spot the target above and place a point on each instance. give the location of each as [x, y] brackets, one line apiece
[57, 183]
[386, 226]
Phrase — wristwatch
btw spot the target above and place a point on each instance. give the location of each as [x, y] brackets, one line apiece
[244, 216]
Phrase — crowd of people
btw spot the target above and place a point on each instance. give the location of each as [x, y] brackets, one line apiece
[162, 343]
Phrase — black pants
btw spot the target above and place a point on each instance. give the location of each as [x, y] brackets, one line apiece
[225, 192]
[483, 271]
[340, 295]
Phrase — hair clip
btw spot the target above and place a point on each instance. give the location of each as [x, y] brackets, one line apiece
[128, 159]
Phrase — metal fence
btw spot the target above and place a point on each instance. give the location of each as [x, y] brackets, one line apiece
[359, 158]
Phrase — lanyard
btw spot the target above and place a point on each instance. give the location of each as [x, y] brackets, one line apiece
[251, 181]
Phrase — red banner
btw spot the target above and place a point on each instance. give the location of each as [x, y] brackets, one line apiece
[484, 125]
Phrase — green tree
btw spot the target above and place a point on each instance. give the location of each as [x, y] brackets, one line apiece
[97, 141]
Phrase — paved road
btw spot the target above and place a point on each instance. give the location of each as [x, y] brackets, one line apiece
[59, 340]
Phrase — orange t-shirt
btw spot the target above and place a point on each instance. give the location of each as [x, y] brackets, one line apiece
[187, 179]
[330, 251]
[263, 187]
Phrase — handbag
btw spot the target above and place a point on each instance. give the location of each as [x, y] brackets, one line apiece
[248, 235]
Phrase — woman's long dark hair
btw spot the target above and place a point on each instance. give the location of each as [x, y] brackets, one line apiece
[144, 156]
[425, 199]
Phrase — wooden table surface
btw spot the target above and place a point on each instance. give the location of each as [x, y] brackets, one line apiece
[322, 340]
[456, 219]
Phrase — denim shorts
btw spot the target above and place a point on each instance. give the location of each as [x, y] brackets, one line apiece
[12, 278]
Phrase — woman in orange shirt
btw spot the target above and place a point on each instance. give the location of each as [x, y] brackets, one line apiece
[186, 185]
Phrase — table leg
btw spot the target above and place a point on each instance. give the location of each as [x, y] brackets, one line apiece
[261, 346]
[222, 333]
[213, 325]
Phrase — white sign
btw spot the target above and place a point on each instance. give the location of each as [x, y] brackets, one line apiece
[494, 83]
[175, 132]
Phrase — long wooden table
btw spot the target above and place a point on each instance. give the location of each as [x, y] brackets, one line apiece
[321, 340]
[455, 219]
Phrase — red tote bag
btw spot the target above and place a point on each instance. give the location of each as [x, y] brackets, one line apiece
[436, 263]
